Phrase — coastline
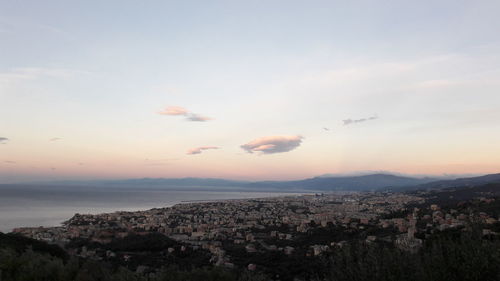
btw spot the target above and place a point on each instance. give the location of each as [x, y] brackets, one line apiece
[50, 209]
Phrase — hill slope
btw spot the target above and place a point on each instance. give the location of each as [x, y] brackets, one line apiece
[461, 182]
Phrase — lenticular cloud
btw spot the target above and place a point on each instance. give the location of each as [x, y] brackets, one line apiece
[273, 144]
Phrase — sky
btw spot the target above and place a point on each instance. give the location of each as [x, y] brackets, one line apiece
[247, 89]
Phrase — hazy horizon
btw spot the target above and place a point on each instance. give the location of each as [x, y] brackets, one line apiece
[347, 174]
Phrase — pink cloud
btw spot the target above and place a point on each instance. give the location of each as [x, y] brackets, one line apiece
[198, 150]
[174, 110]
[273, 144]
[181, 111]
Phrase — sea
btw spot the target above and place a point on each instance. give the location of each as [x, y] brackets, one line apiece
[36, 205]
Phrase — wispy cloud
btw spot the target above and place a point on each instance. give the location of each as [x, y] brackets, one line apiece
[55, 139]
[198, 118]
[20, 26]
[198, 150]
[181, 111]
[23, 73]
[10, 162]
[273, 144]
[355, 121]
[174, 111]
[3, 140]
[17, 76]
[159, 162]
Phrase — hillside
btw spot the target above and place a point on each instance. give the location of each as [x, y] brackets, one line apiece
[461, 182]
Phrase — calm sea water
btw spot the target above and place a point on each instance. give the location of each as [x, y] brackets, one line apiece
[23, 205]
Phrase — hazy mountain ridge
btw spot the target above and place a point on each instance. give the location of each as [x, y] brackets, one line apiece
[177, 182]
[322, 183]
[352, 183]
[472, 181]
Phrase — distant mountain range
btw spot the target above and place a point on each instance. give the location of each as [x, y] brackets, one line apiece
[348, 183]
[461, 182]
[192, 182]
[325, 183]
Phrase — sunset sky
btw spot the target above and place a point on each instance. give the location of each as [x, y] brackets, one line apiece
[247, 89]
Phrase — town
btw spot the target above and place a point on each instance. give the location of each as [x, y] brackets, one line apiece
[277, 224]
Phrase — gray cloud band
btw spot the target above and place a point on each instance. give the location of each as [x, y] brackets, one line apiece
[198, 150]
[354, 121]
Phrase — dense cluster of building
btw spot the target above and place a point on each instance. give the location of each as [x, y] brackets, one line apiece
[250, 222]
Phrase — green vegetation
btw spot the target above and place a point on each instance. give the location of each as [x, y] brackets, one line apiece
[24, 259]
[447, 255]
[19, 244]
